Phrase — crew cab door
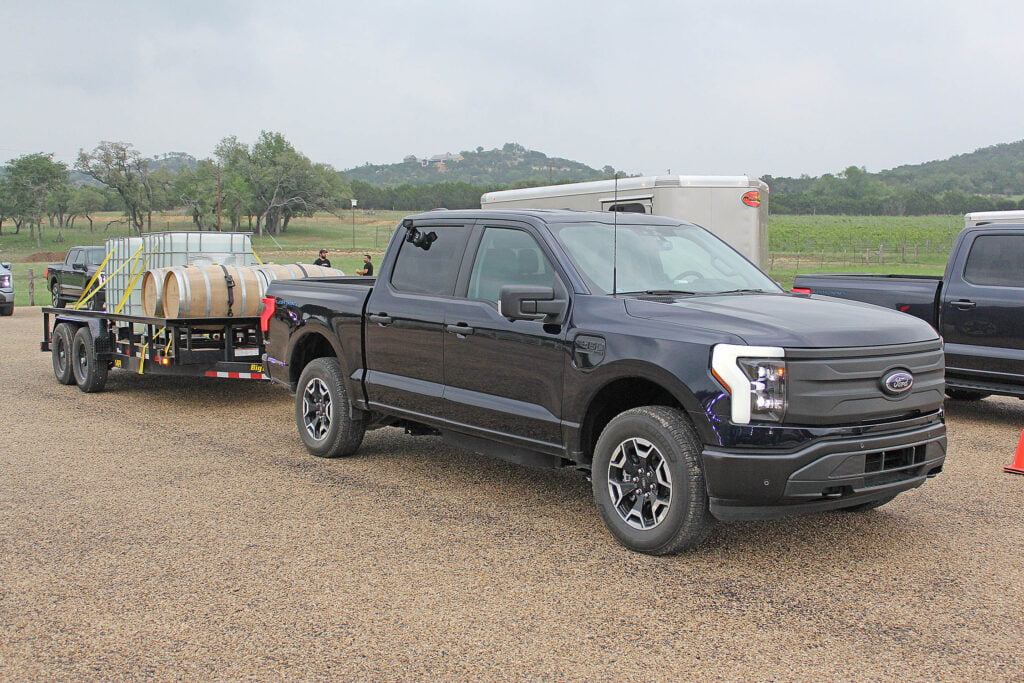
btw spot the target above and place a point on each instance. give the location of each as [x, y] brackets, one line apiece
[982, 312]
[503, 379]
[403, 329]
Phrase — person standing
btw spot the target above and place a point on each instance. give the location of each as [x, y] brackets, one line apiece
[367, 266]
[322, 260]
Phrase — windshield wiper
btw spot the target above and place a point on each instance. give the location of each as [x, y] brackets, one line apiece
[665, 292]
[742, 291]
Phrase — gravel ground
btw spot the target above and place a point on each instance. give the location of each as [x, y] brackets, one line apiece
[176, 529]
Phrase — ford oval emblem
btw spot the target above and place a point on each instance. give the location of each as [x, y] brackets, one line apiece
[897, 382]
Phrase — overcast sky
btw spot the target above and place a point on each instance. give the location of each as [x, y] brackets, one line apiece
[712, 87]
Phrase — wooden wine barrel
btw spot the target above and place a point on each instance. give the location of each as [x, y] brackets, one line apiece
[153, 292]
[203, 292]
[287, 271]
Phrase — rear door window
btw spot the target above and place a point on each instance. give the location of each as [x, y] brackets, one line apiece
[996, 260]
[430, 266]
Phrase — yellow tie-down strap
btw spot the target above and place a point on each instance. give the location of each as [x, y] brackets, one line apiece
[145, 347]
[95, 286]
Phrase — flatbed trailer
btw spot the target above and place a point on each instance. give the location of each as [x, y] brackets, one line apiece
[86, 345]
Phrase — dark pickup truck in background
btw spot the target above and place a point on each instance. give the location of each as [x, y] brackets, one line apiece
[66, 281]
[977, 307]
[641, 349]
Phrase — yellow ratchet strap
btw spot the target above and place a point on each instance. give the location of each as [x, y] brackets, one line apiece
[256, 256]
[142, 354]
[82, 298]
[85, 299]
[135, 277]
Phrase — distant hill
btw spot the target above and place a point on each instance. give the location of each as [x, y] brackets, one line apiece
[511, 165]
[995, 170]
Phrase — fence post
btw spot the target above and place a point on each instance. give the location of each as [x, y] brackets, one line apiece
[31, 288]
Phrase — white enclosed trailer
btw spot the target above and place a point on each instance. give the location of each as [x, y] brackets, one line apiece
[986, 217]
[733, 207]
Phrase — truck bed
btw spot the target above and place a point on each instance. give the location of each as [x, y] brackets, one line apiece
[913, 294]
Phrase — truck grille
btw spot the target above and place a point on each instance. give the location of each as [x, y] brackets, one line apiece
[844, 386]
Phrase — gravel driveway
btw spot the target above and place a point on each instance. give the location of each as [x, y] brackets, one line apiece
[176, 529]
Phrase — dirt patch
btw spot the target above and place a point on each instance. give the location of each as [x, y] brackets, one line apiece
[48, 256]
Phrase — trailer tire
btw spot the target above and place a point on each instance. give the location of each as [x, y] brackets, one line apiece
[90, 373]
[656, 450]
[323, 411]
[60, 353]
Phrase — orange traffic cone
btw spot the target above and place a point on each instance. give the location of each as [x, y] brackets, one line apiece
[1017, 466]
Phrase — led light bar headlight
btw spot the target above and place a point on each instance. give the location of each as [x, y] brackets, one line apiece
[5, 281]
[755, 377]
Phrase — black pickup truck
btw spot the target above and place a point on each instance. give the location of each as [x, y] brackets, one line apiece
[640, 349]
[977, 307]
[66, 281]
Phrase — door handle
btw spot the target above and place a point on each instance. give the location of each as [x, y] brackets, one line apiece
[380, 319]
[460, 329]
[963, 305]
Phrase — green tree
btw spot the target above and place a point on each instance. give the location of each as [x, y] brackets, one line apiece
[30, 185]
[121, 168]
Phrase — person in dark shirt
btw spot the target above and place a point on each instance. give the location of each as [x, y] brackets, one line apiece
[322, 260]
[367, 266]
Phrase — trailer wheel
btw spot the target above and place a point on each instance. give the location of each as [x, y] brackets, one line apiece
[90, 373]
[323, 411]
[648, 481]
[60, 353]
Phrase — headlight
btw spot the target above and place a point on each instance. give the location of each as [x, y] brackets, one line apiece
[5, 281]
[755, 377]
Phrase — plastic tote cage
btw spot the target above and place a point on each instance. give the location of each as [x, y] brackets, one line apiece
[161, 249]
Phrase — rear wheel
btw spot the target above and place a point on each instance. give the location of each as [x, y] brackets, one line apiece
[55, 298]
[648, 481]
[90, 373]
[60, 353]
[323, 412]
[966, 395]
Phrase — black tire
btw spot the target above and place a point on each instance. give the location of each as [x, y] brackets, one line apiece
[864, 507]
[90, 374]
[7, 310]
[60, 353]
[55, 298]
[966, 395]
[323, 414]
[657, 450]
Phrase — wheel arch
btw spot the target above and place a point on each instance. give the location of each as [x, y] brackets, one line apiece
[633, 385]
[312, 342]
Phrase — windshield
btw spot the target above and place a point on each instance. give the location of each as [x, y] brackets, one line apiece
[658, 259]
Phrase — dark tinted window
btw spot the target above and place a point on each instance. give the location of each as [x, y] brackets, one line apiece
[628, 208]
[433, 270]
[508, 257]
[996, 260]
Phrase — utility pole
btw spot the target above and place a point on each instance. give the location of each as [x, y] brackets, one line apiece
[218, 198]
[354, 202]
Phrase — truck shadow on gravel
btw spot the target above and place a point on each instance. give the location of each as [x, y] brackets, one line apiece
[555, 508]
[995, 410]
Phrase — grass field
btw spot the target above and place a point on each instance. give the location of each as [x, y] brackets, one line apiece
[797, 244]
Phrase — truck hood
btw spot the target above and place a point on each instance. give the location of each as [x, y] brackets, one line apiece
[786, 320]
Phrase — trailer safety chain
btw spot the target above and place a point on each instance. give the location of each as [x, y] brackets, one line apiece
[142, 351]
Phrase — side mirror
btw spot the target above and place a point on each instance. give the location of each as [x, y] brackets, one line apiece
[530, 302]
[80, 267]
[6, 264]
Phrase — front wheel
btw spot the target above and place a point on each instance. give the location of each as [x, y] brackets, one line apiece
[323, 412]
[90, 372]
[648, 481]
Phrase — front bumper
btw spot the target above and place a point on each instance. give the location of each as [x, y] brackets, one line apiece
[826, 475]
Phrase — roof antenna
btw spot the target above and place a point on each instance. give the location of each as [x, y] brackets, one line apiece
[615, 238]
